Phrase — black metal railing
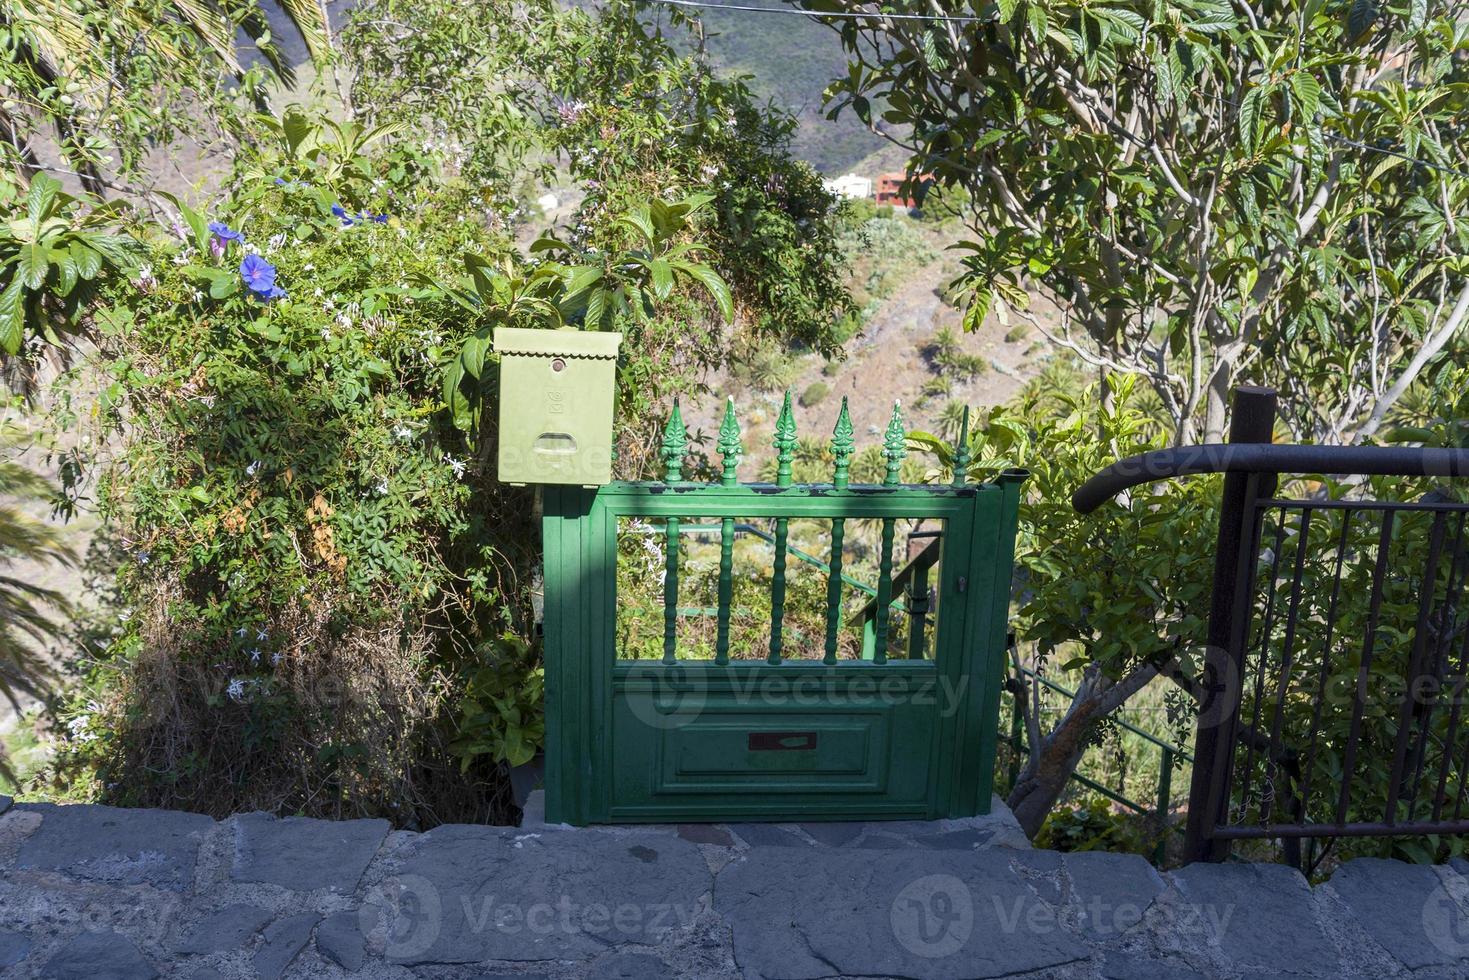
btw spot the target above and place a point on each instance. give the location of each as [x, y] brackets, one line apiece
[1338, 640]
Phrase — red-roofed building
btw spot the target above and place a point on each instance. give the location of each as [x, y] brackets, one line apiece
[889, 189]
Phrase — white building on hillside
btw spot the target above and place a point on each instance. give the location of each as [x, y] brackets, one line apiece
[849, 186]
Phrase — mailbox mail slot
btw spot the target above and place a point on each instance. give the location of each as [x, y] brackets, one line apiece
[557, 389]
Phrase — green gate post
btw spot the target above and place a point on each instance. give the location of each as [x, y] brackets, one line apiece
[573, 567]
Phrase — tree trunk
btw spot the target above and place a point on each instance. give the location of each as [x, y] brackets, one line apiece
[1055, 755]
[1049, 768]
[1216, 401]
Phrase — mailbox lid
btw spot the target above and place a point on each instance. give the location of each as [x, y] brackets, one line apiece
[566, 342]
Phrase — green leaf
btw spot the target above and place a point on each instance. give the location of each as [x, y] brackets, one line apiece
[473, 355]
[978, 308]
[1307, 92]
[67, 270]
[33, 264]
[1035, 16]
[596, 308]
[662, 274]
[718, 289]
[297, 129]
[1360, 17]
[454, 398]
[40, 197]
[12, 317]
[640, 220]
[88, 261]
[223, 286]
[1249, 116]
[579, 279]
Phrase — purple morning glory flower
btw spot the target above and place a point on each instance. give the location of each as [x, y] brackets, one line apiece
[341, 212]
[220, 235]
[259, 278]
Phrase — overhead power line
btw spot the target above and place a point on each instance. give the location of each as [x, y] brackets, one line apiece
[840, 14]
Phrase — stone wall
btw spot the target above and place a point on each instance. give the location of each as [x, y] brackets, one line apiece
[96, 892]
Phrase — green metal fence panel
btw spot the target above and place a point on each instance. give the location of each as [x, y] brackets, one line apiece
[761, 734]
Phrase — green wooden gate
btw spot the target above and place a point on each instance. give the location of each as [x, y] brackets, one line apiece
[904, 729]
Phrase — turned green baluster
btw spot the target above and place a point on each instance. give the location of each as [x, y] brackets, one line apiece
[785, 447]
[894, 448]
[729, 447]
[961, 452]
[675, 447]
[842, 447]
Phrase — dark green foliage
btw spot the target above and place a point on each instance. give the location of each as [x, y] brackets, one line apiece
[814, 393]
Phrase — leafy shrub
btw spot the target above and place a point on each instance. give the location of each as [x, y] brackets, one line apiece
[937, 387]
[814, 393]
[1017, 333]
[882, 252]
[52, 254]
[766, 368]
[1094, 825]
[313, 557]
[635, 112]
[942, 347]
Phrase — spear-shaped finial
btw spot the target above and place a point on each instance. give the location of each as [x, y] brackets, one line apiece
[785, 443]
[842, 447]
[894, 446]
[729, 444]
[675, 446]
[961, 451]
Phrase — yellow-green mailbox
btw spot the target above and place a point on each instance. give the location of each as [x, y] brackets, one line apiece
[556, 397]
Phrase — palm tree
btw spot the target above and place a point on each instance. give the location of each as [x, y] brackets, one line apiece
[951, 418]
[72, 66]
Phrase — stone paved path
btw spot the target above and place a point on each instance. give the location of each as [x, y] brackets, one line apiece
[97, 893]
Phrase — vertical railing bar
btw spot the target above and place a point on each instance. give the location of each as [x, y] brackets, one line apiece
[1463, 764]
[1374, 610]
[884, 593]
[1267, 627]
[1252, 421]
[778, 591]
[842, 447]
[895, 443]
[1415, 665]
[1440, 654]
[1341, 554]
[1165, 800]
[675, 447]
[726, 588]
[1447, 756]
[834, 591]
[670, 591]
[917, 611]
[729, 447]
[1288, 648]
[785, 447]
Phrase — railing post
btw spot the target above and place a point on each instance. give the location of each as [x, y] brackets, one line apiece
[1165, 799]
[1253, 421]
